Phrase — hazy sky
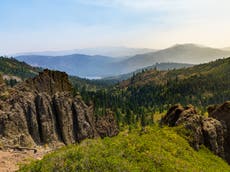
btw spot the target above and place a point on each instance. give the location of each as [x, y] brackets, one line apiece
[37, 25]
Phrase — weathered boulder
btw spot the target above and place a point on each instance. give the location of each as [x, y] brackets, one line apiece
[214, 134]
[204, 131]
[107, 125]
[222, 113]
[44, 111]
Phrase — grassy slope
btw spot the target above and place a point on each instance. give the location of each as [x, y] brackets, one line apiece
[155, 150]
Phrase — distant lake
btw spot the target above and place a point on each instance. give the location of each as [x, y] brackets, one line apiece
[93, 77]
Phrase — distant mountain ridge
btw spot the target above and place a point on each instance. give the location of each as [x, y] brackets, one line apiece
[103, 51]
[105, 66]
[180, 53]
[76, 64]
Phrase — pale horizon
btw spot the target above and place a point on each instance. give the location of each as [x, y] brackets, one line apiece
[100, 47]
[37, 26]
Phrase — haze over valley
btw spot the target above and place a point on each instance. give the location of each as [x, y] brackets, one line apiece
[104, 66]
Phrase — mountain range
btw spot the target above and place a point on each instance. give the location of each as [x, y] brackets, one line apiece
[103, 51]
[104, 66]
[185, 53]
[76, 64]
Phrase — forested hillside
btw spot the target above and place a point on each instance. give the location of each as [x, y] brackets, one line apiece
[12, 69]
[138, 98]
[158, 66]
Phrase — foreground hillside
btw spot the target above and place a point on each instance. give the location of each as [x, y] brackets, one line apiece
[155, 149]
[200, 85]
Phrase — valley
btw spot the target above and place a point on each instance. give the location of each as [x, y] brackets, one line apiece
[115, 86]
[48, 109]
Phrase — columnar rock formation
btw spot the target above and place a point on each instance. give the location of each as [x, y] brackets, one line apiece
[43, 110]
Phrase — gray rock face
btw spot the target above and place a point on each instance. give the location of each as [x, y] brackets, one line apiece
[38, 113]
[203, 131]
[222, 113]
[214, 134]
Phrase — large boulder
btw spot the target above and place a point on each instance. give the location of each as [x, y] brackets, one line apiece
[107, 125]
[203, 131]
[222, 113]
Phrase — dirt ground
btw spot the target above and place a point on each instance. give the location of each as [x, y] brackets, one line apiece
[10, 159]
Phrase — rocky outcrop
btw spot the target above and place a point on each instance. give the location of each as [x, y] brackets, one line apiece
[49, 82]
[107, 125]
[44, 111]
[202, 131]
[1, 79]
[222, 113]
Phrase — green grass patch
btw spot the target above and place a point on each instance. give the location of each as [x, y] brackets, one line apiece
[155, 149]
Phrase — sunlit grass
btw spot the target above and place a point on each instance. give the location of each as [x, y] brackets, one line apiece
[155, 149]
